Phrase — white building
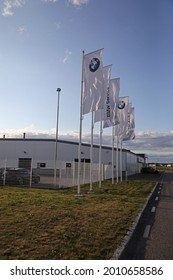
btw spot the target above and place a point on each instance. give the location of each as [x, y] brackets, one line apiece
[21, 152]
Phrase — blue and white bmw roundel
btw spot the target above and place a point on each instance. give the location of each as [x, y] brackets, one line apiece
[94, 64]
[121, 105]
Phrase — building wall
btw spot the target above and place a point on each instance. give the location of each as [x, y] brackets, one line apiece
[42, 151]
[133, 164]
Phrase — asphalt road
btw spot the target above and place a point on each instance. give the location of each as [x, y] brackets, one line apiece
[153, 237]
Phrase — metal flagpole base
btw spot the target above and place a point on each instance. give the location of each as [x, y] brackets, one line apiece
[90, 192]
[79, 195]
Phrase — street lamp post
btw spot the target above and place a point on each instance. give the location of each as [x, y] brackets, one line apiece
[56, 140]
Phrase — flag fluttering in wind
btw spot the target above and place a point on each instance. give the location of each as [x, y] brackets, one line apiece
[122, 114]
[92, 93]
[93, 82]
[100, 114]
[130, 129]
[109, 113]
[100, 96]
[111, 117]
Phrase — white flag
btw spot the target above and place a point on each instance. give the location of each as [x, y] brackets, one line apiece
[122, 113]
[130, 133]
[111, 117]
[131, 117]
[93, 82]
[99, 115]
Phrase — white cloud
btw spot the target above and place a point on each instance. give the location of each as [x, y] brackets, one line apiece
[73, 2]
[30, 131]
[9, 5]
[78, 2]
[48, 1]
[158, 146]
[67, 55]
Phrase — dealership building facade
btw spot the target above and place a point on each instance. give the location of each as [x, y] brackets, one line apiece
[22, 152]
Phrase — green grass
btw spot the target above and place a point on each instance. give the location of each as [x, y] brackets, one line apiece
[49, 224]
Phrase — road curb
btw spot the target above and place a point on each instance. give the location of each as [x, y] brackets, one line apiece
[118, 252]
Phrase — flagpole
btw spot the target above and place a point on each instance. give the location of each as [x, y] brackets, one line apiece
[117, 163]
[56, 140]
[113, 139]
[80, 128]
[30, 179]
[5, 169]
[100, 154]
[121, 158]
[91, 152]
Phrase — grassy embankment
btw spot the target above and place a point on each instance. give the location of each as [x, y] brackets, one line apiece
[49, 224]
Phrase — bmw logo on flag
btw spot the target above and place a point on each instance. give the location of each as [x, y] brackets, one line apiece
[121, 105]
[94, 64]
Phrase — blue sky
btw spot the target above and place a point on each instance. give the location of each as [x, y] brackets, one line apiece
[41, 49]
